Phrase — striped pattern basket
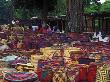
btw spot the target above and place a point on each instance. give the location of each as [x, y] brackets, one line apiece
[103, 73]
[20, 77]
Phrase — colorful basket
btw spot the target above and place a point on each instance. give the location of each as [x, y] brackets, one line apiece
[21, 77]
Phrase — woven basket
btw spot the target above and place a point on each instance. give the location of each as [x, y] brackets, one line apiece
[4, 64]
[21, 77]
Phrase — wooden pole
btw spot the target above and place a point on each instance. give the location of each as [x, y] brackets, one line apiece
[62, 25]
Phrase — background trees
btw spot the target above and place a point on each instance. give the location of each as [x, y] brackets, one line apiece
[39, 8]
[98, 8]
[5, 11]
[60, 8]
[34, 7]
[105, 7]
[25, 9]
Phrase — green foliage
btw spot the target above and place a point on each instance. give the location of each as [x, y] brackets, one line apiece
[29, 8]
[86, 2]
[32, 4]
[105, 7]
[60, 8]
[32, 8]
[5, 9]
[18, 13]
[2, 9]
[93, 8]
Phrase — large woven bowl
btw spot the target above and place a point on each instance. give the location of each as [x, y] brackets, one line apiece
[21, 77]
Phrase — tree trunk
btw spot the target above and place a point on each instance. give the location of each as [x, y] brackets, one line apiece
[68, 3]
[75, 12]
[44, 11]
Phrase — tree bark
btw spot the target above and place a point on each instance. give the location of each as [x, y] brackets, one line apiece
[45, 11]
[75, 23]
